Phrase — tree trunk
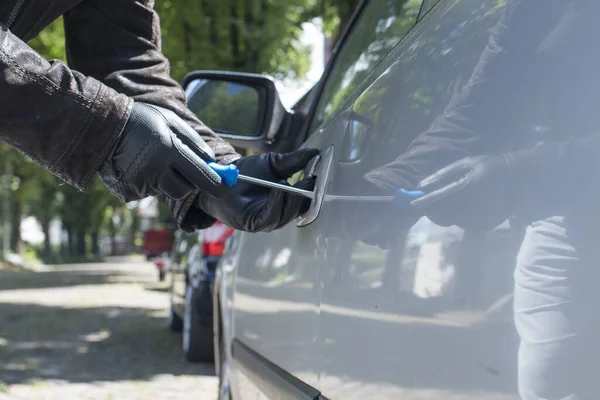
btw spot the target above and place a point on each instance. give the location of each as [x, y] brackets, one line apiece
[69, 247]
[112, 231]
[15, 225]
[257, 22]
[81, 247]
[234, 32]
[213, 36]
[135, 227]
[72, 241]
[187, 41]
[45, 222]
[94, 236]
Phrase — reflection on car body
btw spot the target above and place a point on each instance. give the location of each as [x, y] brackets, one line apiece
[376, 301]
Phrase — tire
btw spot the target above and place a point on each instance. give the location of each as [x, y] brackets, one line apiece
[197, 338]
[174, 322]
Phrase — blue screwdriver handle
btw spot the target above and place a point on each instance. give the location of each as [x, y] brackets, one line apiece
[404, 196]
[228, 173]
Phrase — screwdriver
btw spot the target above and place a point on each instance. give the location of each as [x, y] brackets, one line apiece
[230, 175]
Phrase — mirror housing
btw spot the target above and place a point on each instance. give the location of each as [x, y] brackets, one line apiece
[246, 96]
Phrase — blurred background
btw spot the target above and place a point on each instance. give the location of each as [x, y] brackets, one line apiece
[84, 314]
[289, 40]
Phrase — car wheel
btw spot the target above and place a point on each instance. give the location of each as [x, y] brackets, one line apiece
[174, 321]
[197, 339]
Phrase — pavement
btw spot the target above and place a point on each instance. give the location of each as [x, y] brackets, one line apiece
[93, 331]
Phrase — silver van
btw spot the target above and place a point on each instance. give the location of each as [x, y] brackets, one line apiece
[316, 311]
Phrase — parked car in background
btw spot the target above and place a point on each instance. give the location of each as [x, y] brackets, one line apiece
[157, 242]
[309, 311]
[191, 266]
[116, 246]
[162, 265]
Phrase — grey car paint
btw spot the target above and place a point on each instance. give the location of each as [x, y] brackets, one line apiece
[430, 317]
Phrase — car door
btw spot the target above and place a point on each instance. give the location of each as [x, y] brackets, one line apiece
[428, 317]
[276, 302]
[277, 281]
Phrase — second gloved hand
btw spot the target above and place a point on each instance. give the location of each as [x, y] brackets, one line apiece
[253, 208]
[471, 193]
[159, 154]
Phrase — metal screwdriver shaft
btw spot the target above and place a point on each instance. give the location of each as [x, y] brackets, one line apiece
[230, 175]
[278, 186]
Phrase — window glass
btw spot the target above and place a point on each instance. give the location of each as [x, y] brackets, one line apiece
[427, 4]
[381, 26]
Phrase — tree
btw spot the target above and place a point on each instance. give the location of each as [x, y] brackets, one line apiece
[260, 36]
[43, 201]
[82, 214]
[50, 43]
[102, 200]
[239, 35]
[335, 14]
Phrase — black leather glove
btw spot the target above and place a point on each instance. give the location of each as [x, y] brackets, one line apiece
[254, 208]
[159, 154]
[473, 193]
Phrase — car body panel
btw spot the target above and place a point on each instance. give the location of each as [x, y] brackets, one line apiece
[428, 317]
[423, 317]
[276, 299]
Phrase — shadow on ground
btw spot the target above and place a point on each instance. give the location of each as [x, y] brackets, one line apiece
[85, 344]
[72, 275]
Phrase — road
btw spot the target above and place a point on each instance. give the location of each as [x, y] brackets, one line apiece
[93, 331]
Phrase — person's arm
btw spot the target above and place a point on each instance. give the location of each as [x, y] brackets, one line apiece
[61, 119]
[529, 184]
[482, 117]
[119, 43]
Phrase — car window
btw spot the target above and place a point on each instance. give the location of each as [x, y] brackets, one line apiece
[427, 5]
[382, 24]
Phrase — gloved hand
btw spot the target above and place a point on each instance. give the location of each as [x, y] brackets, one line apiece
[473, 193]
[253, 208]
[159, 154]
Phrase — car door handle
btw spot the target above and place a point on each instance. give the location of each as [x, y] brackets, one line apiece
[355, 138]
[320, 169]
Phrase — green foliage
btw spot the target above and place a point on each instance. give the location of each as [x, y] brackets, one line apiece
[260, 36]
[251, 35]
[50, 43]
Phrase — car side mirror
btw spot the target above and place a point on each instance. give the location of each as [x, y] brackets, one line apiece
[245, 109]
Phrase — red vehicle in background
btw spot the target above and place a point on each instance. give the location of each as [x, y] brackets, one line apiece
[157, 242]
[157, 245]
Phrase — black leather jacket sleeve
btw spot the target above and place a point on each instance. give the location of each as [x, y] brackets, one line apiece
[63, 120]
[119, 43]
